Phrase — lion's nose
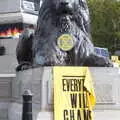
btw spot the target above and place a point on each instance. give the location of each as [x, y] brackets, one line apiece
[64, 4]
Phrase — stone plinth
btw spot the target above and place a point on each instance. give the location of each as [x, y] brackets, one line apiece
[39, 81]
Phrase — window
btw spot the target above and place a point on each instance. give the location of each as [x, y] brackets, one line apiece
[31, 5]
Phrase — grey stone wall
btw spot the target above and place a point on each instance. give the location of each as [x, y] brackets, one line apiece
[7, 6]
[106, 82]
[10, 45]
[4, 110]
[5, 94]
[8, 61]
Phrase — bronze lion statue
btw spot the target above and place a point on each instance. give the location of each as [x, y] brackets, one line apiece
[62, 36]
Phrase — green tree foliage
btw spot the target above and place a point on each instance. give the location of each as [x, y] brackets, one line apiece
[105, 23]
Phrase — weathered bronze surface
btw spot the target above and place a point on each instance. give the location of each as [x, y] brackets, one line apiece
[58, 18]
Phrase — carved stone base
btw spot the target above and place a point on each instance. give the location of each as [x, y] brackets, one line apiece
[39, 81]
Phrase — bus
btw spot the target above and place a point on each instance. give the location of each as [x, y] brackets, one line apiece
[102, 52]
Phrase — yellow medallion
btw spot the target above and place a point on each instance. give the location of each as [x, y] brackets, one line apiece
[65, 42]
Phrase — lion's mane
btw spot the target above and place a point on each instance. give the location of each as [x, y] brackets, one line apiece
[51, 24]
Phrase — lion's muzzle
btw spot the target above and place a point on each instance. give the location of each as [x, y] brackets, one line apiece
[64, 7]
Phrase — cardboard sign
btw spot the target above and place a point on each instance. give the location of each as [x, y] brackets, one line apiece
[74, 95]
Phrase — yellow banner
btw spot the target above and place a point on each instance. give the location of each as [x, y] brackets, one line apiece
[74, 96]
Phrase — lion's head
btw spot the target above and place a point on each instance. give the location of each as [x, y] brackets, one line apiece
[64, 12]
